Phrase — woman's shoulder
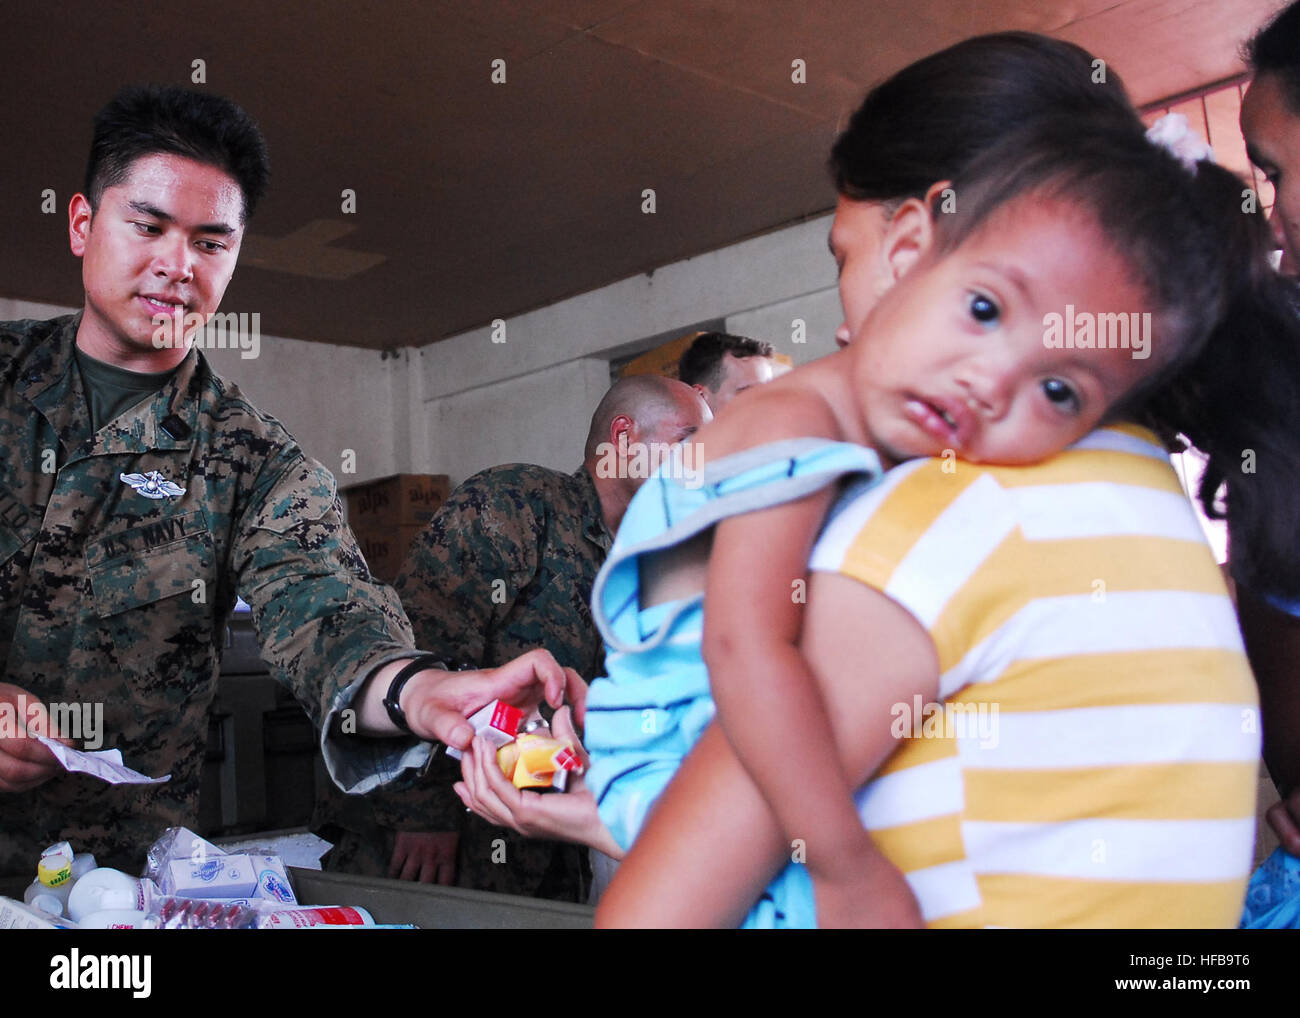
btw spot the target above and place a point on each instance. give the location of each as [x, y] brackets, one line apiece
[945, 506]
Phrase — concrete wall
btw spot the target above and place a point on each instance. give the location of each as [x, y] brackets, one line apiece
[526, 391]
[541, 418]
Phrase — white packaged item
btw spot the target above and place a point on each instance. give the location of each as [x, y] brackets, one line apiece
[56, 875]
[273, 880]
[222, 876]
[14, 915]
[497, 722]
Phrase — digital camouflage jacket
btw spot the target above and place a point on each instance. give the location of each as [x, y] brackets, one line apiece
[121, 553]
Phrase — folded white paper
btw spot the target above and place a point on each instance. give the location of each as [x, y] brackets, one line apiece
[106, 764]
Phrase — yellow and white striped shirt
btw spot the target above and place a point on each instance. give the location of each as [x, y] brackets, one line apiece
[1098, 764]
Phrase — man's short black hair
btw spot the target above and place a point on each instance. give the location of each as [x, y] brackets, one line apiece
[1275, 49]
[701, 364]
[144, 120]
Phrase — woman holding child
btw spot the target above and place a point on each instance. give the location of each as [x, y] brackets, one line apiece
[1074, 594]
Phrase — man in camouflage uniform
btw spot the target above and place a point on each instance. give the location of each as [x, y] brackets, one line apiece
[139, 493]
[507, 565]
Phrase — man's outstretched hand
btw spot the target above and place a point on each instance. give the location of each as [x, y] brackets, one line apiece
[436, 703]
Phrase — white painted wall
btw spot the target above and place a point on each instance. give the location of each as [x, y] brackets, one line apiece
[789, 269]
[529, 395]
[819, 311]
[541, 417]
[331, 398]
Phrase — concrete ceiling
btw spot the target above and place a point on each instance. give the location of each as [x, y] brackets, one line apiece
[478, 200]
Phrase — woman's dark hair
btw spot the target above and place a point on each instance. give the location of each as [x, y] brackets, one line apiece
[1275, 49]
[929, 120]
[148, 119]
[1238, 404]
[1227, 331]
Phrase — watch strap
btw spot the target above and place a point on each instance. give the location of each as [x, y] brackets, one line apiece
[392, 699]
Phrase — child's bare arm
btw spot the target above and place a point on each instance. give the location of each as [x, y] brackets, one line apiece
[769, 705]
[712, 843]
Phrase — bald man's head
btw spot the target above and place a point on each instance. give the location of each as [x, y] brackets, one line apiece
[650, 408]
[640, 419]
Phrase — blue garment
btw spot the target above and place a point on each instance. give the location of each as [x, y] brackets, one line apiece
[1283, 604]
[655, 703]
[1273, 894]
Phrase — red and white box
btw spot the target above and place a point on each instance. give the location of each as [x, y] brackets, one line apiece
[497, 722]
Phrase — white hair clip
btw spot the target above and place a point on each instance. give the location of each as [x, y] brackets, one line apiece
[1173, 133]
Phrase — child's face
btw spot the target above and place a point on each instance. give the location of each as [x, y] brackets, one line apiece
[955, 356]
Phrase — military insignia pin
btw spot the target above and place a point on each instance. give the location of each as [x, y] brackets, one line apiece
[152, 485]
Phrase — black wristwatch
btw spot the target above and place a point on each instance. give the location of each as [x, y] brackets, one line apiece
[392, 699]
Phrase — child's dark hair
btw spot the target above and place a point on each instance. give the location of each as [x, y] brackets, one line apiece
[1275, 49]
[144, 120]
[1227, 333]
[929, 120]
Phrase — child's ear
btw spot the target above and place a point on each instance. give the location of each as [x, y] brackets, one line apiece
[910, 233]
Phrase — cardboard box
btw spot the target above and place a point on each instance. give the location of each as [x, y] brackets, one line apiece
[662, 360]
[385, 550]
[403, 500]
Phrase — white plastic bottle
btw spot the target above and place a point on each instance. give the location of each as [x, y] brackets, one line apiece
[56, 875]
[106, 888]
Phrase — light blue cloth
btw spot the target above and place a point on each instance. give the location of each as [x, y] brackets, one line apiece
[655, 703]
[1273, 895]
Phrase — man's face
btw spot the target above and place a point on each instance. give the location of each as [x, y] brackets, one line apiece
[738, 374]
[1272, 132]
[162, 244]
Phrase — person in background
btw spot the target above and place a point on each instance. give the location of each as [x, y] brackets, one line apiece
[507, 565]
[1270, 619]
[719, 366]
